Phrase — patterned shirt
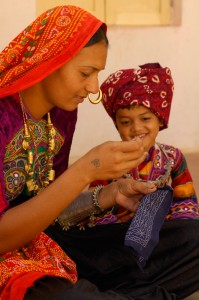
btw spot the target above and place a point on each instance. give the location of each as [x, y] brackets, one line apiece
[184, 204]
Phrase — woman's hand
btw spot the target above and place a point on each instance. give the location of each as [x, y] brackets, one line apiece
[126, 193]
[111, 159]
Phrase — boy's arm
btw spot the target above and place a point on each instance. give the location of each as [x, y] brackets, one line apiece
[185, 204]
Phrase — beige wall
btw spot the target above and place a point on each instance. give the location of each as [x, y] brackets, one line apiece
[175, 47]
[15, 15]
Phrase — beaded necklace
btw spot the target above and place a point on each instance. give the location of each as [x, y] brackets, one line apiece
[162, 179]
[33, 185]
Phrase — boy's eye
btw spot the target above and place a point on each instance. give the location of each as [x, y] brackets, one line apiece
[125, 122]
[146, 118]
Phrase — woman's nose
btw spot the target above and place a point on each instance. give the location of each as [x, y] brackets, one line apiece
[93, 86]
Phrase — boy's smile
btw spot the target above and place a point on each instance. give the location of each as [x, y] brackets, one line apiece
[138, 121]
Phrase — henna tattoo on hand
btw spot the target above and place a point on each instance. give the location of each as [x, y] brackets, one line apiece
[96, 163]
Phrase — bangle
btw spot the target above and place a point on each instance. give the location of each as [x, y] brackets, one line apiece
[96, 196]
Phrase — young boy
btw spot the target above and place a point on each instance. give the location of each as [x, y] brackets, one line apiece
[139, 103]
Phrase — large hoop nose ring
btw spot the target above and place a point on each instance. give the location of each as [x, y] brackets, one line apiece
[95, 101]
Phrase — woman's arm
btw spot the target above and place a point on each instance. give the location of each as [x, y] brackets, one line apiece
[20, 224]
[124, 192]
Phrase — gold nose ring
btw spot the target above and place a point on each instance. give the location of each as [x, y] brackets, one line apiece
[95, 101]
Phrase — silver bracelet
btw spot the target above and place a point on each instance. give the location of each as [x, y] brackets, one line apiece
[86, 205]
[96, 196]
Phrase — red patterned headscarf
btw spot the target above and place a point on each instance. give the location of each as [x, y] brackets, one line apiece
[45, 45]
[150, 85]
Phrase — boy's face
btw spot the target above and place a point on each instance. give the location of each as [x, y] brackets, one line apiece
[138, 121]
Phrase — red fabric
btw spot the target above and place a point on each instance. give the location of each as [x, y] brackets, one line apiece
[18, 284]
[150, 85]
[44, 46]
[42, 256]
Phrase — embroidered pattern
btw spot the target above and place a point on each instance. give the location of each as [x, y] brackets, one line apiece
[42, 255]
[143, 232]
[141, 227]
[42, 40]
[16, 158]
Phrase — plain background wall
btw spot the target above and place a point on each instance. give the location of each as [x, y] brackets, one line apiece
[174, 46]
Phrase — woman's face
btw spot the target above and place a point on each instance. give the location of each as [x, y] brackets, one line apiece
[68, 86]
[140, 122]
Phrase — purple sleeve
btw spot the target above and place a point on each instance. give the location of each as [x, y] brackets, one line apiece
[10, 122]
[65, 122]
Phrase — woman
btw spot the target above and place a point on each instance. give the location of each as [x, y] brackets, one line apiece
[45, 73]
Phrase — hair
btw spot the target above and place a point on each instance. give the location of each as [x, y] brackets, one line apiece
[134, 105]
[99, 35]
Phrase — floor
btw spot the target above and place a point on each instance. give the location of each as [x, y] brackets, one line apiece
[195, 296]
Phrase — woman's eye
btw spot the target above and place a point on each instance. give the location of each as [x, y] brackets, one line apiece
[146, 118]
[85, 74]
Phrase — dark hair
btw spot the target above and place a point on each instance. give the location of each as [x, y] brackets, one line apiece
[99, 35]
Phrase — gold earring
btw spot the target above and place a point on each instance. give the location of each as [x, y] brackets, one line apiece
[96, 101]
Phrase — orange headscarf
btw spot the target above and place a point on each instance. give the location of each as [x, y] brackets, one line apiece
[45, 45]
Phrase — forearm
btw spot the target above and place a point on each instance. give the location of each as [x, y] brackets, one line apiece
[126, 193]
[87, 204]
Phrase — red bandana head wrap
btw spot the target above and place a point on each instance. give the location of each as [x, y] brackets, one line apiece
[45, 45]
[150, 86]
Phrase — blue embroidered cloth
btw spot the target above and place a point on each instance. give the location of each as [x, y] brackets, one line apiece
[143, 232]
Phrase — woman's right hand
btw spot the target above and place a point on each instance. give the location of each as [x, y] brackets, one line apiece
[111, 159]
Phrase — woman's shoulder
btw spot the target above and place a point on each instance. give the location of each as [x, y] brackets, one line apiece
[9, 106]
[10, 115]
[64, 121]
